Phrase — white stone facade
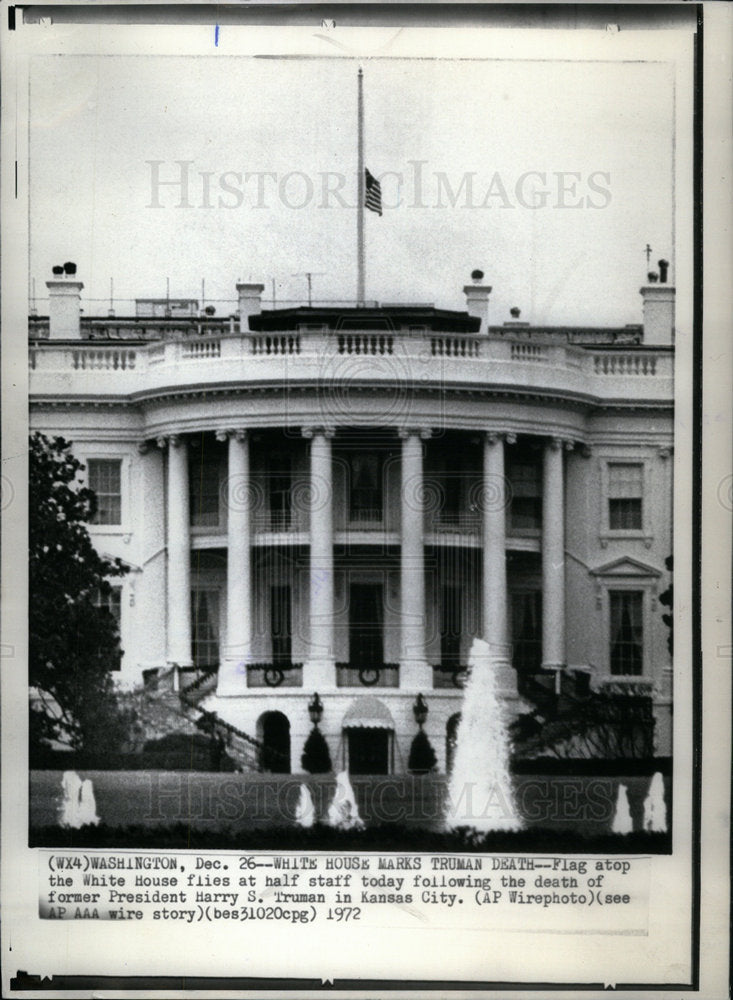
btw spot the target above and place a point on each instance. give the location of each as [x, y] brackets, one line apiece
[344, 497]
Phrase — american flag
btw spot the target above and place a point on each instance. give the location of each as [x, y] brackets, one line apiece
[373, 194]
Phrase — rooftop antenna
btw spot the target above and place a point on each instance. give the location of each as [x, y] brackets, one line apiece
[648, 252]
[33, 296]
[309, 275]
[111, 297]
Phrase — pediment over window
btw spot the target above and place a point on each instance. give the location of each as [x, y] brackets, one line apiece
[626, 567]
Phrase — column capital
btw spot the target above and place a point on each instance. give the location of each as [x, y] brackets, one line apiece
[240, 434]
[586, 450]
[494, 437]
[554, 443]
[425, 433]
[568, 445]
[664, 450]
[143, 447]
[161, 441]
[311, 432]
[176, 440]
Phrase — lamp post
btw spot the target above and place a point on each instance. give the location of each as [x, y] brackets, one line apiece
[315, 709]
[420, 710]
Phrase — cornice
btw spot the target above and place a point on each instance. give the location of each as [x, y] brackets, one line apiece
[582, 401]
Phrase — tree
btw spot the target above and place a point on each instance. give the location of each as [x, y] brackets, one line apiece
[315, 758]
[73, 642]
[422, 756]
[666, 599]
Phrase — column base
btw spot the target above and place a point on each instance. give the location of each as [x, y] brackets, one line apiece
[232, 679]
[416, 675]
[506, 678]
[559, 669]
[319, 675]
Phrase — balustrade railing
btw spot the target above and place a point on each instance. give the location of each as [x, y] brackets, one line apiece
[103, 359]
[455, 347]
[274, 675]
[275, 344]
[365, 343]
[460, 357]
[385, 675]
[626, 363]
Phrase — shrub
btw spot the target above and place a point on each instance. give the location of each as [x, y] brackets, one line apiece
[422, 756]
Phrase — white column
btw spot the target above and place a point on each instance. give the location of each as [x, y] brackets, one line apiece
[179, 555]
[238, 649]
[495, 501]
[319, 671]
[148, 625]
[553, 558]
[415, 672]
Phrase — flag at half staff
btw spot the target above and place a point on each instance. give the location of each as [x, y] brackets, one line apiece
[373, 194]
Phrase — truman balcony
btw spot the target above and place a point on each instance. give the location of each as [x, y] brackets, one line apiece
[331, 364]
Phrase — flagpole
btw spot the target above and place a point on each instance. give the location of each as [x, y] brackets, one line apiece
[360, 194]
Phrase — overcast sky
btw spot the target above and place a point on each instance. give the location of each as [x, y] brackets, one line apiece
[484, 130]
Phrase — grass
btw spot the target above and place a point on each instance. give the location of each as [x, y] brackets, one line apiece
[387, 837]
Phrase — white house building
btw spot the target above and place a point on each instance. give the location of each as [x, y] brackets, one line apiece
[337, 500]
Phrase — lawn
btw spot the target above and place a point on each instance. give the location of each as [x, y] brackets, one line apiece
[158, 808]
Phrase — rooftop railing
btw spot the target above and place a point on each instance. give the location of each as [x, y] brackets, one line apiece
[323, 357]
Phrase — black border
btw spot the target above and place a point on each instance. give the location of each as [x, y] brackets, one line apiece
[544, 15]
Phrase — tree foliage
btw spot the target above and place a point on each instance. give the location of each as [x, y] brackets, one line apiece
[73, 643]
[315, 758]
[666, 599]
[608, 724]
[422, 756]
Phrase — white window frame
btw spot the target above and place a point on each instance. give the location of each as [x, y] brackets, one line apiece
[608, 533]
[125, 460]
[644, 580]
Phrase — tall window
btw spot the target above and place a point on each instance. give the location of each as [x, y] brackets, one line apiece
[451, 498]
[280, 479]
[280, 629]
[111, 602]
[365, 494]
[627, 636]
[104, 476]
[205, 621]
[527, 631]
[525, 513]
[451, 626]
[625, 492]
[205, 480]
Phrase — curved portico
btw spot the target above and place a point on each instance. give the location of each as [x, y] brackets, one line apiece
[464, 511]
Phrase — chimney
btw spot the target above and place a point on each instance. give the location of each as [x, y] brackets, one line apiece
[658, 314]
[64, 298]
[250, 301]
[477, 300]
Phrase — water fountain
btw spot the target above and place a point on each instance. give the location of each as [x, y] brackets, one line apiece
[480, 791]
[305, 813]
[655, 808]
[622, 821]
[343, 812]
[78, 807]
